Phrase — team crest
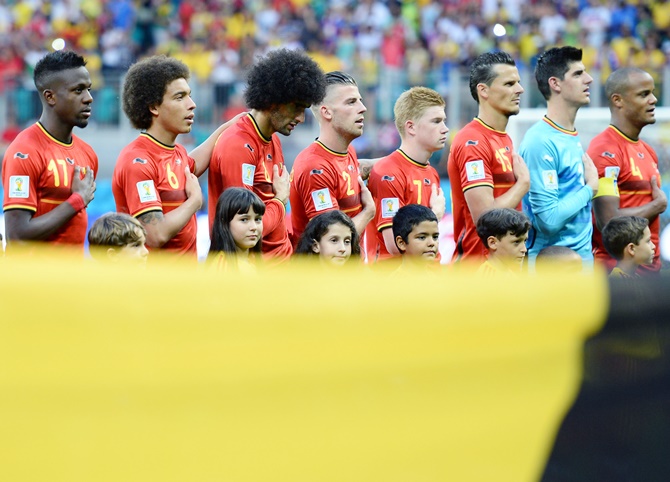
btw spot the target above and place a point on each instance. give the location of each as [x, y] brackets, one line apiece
[390, 206]
[139, 160]
[249, 147]
[471, 143]
[20, 155]
[19, 186]
[388, 178]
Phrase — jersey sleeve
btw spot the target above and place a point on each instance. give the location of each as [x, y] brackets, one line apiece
[551, 212]
[317, 189]
[473, 159]
[387, 186]
[139, 181]
[21, 172]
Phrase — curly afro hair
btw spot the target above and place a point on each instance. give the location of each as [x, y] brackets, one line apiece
[145, 86]
[284, 77]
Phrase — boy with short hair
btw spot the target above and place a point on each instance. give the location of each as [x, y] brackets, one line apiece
[118, 236]
[416, 234]
[554, 259]
[504, 233]
[628, 240]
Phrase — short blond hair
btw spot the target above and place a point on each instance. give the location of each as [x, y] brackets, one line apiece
[115, 230]
[413, 103]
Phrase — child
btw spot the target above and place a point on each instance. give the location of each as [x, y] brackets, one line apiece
[504, 233]
[331, 236]
[416, 234]
[628, 240]
[558, 259]
[118, 237]
[237, 229]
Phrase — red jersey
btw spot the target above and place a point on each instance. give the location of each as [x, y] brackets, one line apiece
[149, 176]
[396, 181]
[37, 172]
[243, 157]
[625, 168]
[323, 180]
[480, 156]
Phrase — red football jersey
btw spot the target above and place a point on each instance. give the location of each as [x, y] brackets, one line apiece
[149, 176]
[480, 156]
[627, 166]
[37, 172]
[396, 181]
[323, 180]
[243, 157]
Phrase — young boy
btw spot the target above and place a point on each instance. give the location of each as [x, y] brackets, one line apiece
[628, 240]
[416, 234]
[118, 237]
[504, 233]
[554, 259]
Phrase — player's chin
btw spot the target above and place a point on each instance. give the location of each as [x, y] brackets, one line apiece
[81, 122]
[429, 255]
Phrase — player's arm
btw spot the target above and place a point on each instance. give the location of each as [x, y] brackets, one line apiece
[275, 210]
[606, 204]
[362, 219]
[480, 198]
[389, 241]
[365, 166]
[21, 224]
[203, 153]
[552, 214]
[160, 227]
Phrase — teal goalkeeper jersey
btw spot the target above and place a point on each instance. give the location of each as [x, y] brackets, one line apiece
[559, 202]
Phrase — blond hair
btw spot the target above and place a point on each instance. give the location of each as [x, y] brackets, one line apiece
[413, 103]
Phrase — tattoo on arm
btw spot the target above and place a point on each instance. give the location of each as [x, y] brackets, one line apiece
[364, 169]
[152, 217]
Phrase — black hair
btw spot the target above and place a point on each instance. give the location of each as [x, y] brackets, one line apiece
[482, 69]
[339, 78]
[554, 62]
[53, 63]
[234, 200]
[499, 222]
[318, 226]
[145, 85]
[619, 232]
[619, 81]
[282, 77]
[408, 217]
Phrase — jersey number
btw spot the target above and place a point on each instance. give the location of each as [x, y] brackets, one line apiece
[172, 177]
[54, 168]
[418, 185]
[501, 155]
[634, 169]
[347, 177]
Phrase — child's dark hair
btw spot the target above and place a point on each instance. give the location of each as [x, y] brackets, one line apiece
[554, 62]
[53, 63]
[408, 217]
[234, 200]
[499, 222]
[318, 226]
[145, 85]
[284, 76]
[619, 232]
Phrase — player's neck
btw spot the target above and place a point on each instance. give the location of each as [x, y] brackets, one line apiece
[562, 114]
[262, 120]
[333, 141]
[161, 135]
[628, 129]
[416, 153]
[492, 118]
[57, 129]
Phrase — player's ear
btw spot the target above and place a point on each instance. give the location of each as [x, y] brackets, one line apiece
[154, 110]
[49, 96]
[316, 249]
[112, 254]
[410, 127]
[554, 84]
[325, 111]
[492, 241]
[630, 249]
[400, 243]
[483, 90]
[616, 100]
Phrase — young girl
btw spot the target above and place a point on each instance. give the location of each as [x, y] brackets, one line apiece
[237, 230]
[332, 237]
